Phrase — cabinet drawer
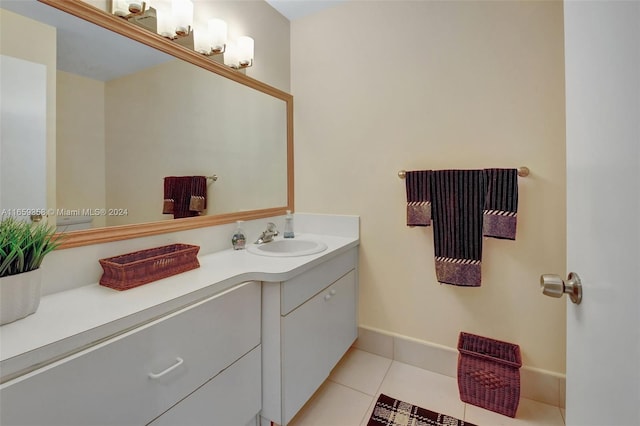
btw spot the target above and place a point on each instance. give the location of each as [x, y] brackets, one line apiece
[315, 336]
[232, 398]
[110, 384]
[299, 289]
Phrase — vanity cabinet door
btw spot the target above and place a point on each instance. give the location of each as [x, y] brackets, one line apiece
[299, 289]
[135, 377]
[232, 398]
[314, 338]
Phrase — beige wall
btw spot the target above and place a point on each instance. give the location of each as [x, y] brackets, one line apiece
[118, 140]
[389, 85]
[177, 119]
[42, 52]
[81, 144]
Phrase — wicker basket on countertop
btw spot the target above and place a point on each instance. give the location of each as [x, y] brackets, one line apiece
[141, 267]
[489, 373]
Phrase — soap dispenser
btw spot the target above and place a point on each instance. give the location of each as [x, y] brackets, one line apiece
[288, 225]
[238, 240]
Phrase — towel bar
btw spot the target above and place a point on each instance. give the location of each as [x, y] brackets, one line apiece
[212, 177]
[522, 172]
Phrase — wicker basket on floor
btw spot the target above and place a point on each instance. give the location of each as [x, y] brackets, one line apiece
[489, 373]
[141, 267]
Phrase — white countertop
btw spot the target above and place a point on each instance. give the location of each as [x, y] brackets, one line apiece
[71, 320]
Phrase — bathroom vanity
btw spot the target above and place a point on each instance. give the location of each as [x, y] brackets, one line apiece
[308, 323]
[240, 336]
[136, 377]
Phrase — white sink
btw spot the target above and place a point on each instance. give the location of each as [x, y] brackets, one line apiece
[288, 248]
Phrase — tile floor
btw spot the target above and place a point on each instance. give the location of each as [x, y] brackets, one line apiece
[347, 397]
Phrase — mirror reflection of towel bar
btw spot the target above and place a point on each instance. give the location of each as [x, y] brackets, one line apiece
[522, 172]
[212, 178]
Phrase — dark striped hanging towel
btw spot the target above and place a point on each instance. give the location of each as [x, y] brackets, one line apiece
[501, 203]
[464, 206]
[457, 206]
[418, 197]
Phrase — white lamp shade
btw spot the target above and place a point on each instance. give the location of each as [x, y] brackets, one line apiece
[231, 55]
[166, 23]
[201, 40]
[120, 7]
[135, 6]
[245, 50]
[218, 34]
[182, 11]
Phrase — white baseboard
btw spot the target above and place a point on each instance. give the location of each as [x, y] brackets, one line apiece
[536, 384]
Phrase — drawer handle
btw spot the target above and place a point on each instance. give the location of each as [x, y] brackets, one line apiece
[179, 362]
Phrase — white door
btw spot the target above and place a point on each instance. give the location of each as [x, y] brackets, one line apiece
[23, 135]
[602, 54]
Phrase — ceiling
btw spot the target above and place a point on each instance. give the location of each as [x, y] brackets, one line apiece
[81, 46]
[293, 9]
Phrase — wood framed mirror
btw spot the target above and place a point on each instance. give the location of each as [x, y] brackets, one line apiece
[257, 165]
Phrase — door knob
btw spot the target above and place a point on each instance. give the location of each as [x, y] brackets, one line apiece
[552, 285]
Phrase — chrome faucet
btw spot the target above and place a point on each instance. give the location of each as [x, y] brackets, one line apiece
[268, 234]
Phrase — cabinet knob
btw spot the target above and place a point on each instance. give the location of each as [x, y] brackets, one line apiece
[327, 296]
[332, 292]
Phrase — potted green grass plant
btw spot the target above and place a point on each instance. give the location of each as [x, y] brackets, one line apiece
[23, 246]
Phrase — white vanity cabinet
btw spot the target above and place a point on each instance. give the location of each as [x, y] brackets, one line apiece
[199, 365]
[308, 323]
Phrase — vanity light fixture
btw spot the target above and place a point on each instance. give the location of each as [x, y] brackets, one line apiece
[213, 39]
[173, 19]
[217, 29]
[239, 54]
[231, 58]
[126, 8]
[137, 13]
[245, 52]
[164, 16]
[182, 11]
[201, 40]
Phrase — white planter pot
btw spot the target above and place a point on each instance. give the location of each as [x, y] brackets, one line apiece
[19, 295]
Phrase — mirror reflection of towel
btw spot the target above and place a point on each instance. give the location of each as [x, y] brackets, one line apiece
[169, 201]
[185, 196]
[198, 199]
